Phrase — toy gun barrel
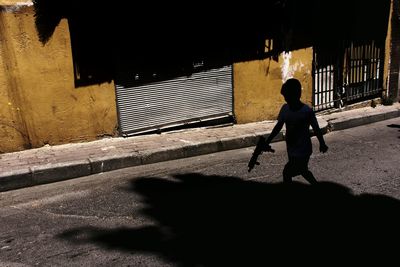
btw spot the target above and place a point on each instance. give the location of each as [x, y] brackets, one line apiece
[260, 148]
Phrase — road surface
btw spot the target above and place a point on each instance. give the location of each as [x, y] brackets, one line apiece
[209, 211]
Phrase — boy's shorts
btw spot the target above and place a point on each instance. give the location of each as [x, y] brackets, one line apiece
[296, 166]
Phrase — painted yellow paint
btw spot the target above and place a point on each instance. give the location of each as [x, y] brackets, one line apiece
[257, 84]
[38, 82]
[387, 50]
[15, 2]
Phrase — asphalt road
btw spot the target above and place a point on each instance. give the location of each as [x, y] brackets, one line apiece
[209, 211]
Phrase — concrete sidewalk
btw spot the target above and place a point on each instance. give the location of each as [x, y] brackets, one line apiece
[55, 163]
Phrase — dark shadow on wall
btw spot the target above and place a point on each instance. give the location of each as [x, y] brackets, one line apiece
[156, 41]
[226, 221]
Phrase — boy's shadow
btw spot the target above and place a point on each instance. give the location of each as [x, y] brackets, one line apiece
[226, 221]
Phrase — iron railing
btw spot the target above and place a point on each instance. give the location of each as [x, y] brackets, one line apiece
[347, 73]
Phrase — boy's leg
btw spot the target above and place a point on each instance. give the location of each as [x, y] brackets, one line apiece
[306, 173]
[309, 177]
[288, 172]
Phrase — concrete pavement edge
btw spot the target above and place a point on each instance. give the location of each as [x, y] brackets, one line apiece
[48, 173]
[345, 123]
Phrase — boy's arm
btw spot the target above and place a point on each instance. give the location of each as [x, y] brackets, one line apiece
[318, 133]
[277, 128]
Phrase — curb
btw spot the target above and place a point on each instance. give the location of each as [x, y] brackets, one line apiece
[16, 179]
[49, 173]
[341, 124]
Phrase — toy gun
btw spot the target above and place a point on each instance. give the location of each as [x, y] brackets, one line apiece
[261, 147]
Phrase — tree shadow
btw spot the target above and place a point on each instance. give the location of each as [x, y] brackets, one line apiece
[226, 221]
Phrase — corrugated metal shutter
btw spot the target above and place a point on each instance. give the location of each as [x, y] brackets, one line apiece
[181, 100]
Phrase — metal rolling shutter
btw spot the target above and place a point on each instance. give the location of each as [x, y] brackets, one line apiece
[206, 94]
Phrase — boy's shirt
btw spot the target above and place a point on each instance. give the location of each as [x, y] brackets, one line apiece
[298, 139]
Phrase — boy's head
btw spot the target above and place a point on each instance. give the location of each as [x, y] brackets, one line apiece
[291, 90]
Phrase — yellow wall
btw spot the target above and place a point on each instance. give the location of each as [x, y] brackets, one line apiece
[39, 103]
[257, 84]
[388, 47]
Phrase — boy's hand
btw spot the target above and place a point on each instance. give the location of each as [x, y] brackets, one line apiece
[323, 148]
[268, 148]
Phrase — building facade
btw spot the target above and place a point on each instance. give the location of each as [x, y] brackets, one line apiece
[66, 79]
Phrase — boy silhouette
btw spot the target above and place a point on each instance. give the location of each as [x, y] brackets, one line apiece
[297, 117]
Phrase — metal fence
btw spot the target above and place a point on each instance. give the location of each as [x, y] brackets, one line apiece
[325, 81]
[346, 74]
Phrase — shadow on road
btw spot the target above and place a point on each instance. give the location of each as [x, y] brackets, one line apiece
[226, 221]
[394, 126]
